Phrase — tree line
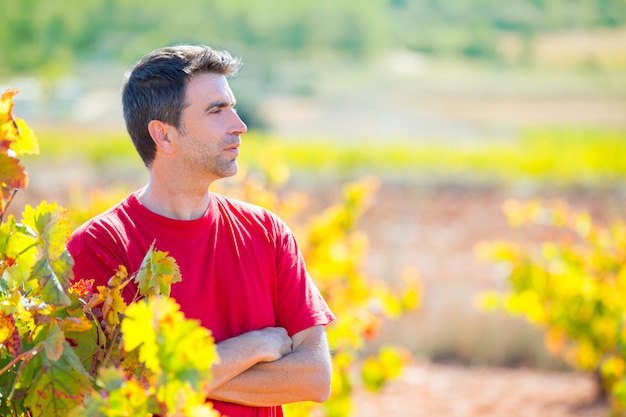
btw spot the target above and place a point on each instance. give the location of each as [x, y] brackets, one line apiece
[47, 37]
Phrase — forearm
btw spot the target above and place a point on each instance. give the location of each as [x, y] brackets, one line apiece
[302, 375]
[238, 354]
[295, 377]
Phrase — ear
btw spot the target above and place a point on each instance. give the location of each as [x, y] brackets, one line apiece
[162, 134]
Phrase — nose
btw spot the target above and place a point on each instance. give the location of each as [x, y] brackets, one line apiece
[240, 127]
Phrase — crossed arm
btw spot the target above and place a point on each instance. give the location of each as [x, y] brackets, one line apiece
[267, 367]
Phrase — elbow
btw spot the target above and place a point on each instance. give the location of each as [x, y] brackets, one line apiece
[323, 395]
[320, 391]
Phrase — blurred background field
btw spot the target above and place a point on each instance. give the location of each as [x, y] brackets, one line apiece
[455, 105]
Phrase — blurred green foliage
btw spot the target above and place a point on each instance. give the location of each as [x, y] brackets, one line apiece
[49, 37]
[560, 156]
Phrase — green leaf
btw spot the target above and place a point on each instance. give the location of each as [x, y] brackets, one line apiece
[62, 267]
[111, 379]
[53, 226]
[52, 292]
[84, 341]
[157, 273]
[53, 343]
[59, 386]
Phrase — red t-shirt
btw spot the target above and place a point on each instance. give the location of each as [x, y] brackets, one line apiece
[241, 268]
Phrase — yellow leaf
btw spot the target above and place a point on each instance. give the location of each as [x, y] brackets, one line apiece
[139, 331]
[76, 324]
[26, 142]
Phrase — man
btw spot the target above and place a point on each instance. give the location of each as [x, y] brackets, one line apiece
[243, 275]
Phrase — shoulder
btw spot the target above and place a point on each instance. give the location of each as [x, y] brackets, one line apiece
[249, 210]
[252, 216]
[103, 226]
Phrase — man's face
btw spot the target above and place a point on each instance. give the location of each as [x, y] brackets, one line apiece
[210, 129]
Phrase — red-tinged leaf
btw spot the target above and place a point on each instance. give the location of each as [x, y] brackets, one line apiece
[12, 177]
[52, 292]
[9, 335]
[12, 174]
[7, 326]
[59, 387]
[157, 273]
[82, 287]
[9, 131]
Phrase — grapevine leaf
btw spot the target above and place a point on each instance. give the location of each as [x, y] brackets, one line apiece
[52, 291]
[12, 176]
[12, 173]
[82, 287]
[84, 342]
[93, 406]
[157, 273]
[18, 248]
[9, 335]
[111, 379]
[138, 329]
[179, 351]
[113, 304]
[53, 226]
[8, 127]
[26, 142]
[134, 368]
[7, 326]
[123, 397]
[59, 386]
[53, 343]
[62, 267]
[6, 104]
[78, 324]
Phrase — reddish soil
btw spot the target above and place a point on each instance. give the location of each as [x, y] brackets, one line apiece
[436, 390]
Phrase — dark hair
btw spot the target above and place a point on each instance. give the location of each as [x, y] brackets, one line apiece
[154, 89]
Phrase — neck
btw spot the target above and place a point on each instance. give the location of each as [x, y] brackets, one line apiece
[176, 201]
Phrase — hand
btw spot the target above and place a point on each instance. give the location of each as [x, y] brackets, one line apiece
[274, 342]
